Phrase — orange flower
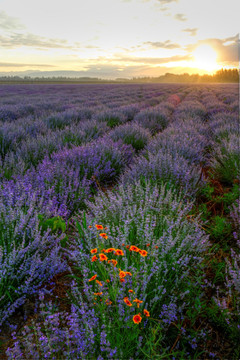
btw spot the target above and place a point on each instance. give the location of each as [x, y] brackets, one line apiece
[147, 313]
[105, 228]
[136, 301]
[119, 252]
[93, 278]
[104, 235]
[148, 244]
[99, 283]
[137, 319]
[122, 280]
[122, 274]
[156, 247]
[134, 248]
[127, 302]
[109, 250]
[128, 273]
[108, 281]
[98, 293]
[127, 246]
[123, 244]
[143, 252]
[93, 251]
[114, 262]
[131, 291]
[94, 258]
[102, 257]
[108, 302]
[99, 227]
[89, 226]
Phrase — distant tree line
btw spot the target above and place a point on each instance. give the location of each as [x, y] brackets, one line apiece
[221, 76]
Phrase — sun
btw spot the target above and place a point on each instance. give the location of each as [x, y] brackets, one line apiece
[205, 58]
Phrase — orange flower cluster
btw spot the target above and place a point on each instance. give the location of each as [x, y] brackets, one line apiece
[138, 302]
[136, 249]
[119, 252]
[112, 261]
[122, 274]
[127, 301]
[93, 278]
[108, 251]
[137, 318]
[102, 257]
[104, 235]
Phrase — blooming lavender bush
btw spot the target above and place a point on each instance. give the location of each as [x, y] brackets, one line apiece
[68, 117]
[226, 159]
[71, 175]
[166, 167]
[154, 119]
[189, 109]
[111, 117]
[78, 134]
[132, 134]
[60, 335]
[148, 240]
[186, 138]
[28, 257]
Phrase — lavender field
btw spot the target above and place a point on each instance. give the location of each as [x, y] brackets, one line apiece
[119, 221]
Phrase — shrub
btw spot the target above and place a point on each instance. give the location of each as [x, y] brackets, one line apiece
[111, 117]
[157, 244]
[28, 258]
[153, 119]
[131, 134]
[226, 159]
[165, 167]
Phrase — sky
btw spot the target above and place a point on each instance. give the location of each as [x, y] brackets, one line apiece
[118, 38]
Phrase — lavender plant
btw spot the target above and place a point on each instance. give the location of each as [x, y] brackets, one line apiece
[27, 257]
[226, 159]
[60, 335]
[148, 240]
[132, 134]
[154, 119]
[111, 117]
[166, 167]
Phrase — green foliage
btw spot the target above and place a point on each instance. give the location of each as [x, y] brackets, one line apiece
[229, 198]
[57, 226]
[113, 121]
[220, 228]
[207, 192]
[227, 168]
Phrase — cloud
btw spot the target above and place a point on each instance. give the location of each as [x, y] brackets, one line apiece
[227, 49]
[17, 40]
[165, 2]
[192, 32]
[9, 23]
[163, 44]
[3, 64]
[153, 61]
[180, 17]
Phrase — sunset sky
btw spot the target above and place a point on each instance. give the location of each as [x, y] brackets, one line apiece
[118, 38]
